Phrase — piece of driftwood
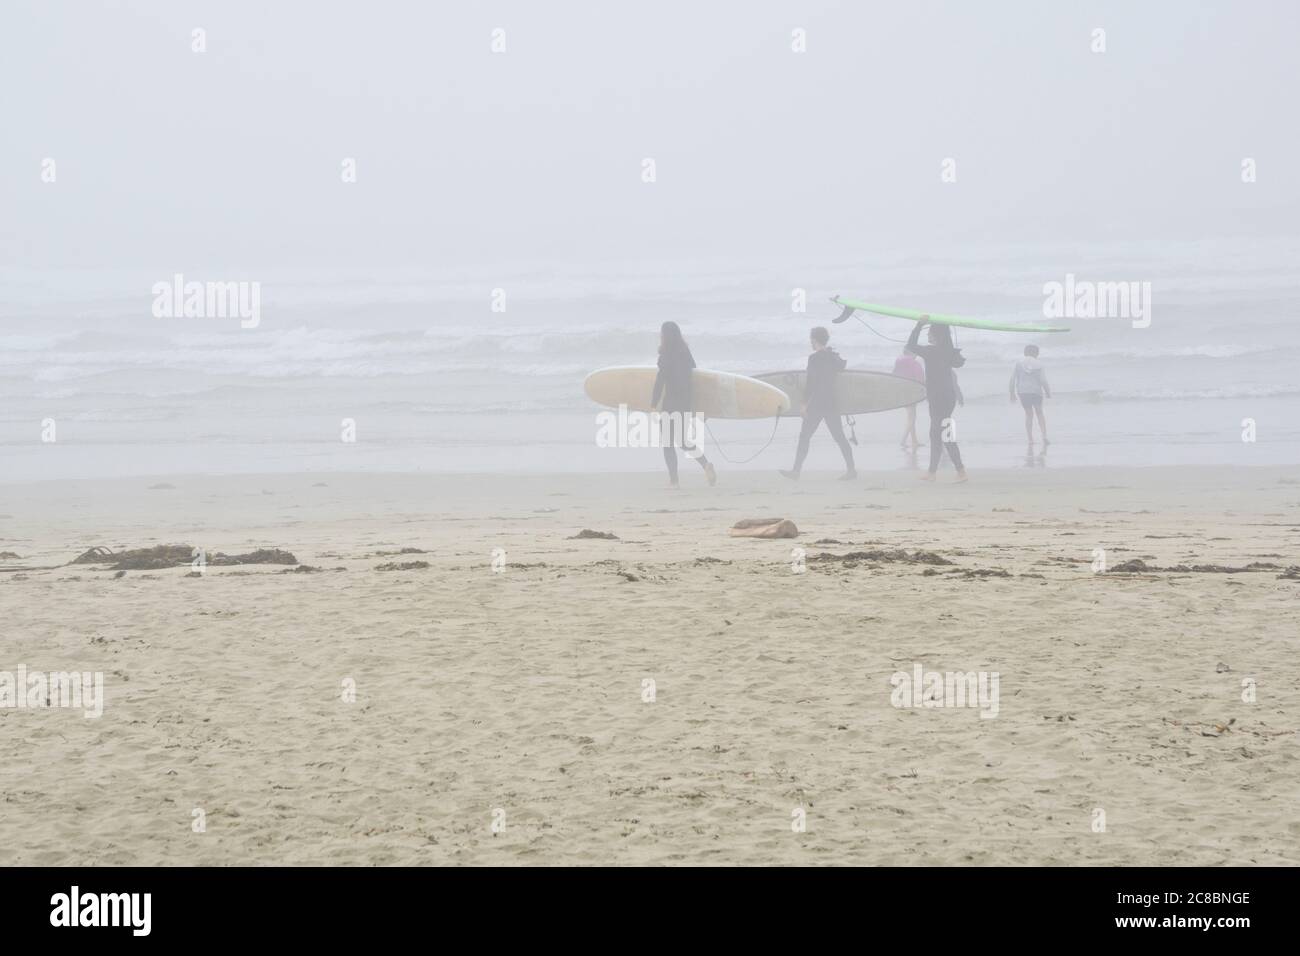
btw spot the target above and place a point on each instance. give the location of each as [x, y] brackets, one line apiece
[764, 528]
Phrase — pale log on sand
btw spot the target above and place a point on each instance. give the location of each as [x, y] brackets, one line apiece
[764, 528]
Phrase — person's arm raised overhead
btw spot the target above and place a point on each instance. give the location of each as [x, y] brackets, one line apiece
[912, 339]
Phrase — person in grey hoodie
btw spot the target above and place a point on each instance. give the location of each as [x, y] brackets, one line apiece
[1029, 383]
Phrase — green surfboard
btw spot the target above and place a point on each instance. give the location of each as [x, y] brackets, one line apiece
[853, 305]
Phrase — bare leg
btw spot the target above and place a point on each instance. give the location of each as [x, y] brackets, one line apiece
[1042, 422]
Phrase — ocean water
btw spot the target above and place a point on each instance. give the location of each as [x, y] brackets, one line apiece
[435, 380]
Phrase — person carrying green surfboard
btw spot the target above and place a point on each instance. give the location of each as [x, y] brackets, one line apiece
[940, 358]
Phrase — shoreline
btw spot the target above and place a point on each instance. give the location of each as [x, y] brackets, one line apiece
[818, 474]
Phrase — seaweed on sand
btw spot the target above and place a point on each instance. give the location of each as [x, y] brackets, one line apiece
[176, 555]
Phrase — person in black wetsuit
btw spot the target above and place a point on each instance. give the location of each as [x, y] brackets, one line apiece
[673, 386]
[940, 358]
[819, 403]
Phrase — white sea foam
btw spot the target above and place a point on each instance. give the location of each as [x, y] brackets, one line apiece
[413, 354]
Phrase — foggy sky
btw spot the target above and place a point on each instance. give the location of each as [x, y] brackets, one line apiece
[169, 159]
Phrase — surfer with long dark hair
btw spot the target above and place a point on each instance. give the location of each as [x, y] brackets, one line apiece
[673, 386]
[940, 358]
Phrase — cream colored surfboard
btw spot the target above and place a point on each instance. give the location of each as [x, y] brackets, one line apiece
[714, 394]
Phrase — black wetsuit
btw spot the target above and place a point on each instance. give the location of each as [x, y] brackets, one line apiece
[819, 392]
[673, 382]
[940, 393]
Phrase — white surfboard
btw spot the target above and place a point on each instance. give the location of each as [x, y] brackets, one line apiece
[714, 394]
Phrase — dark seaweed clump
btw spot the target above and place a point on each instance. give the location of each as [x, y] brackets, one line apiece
[176, 555]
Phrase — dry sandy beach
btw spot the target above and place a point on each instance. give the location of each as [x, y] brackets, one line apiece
[517, 696]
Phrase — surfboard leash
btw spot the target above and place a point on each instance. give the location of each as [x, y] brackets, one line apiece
[776, 421]
[874, 332]
[898, 341]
